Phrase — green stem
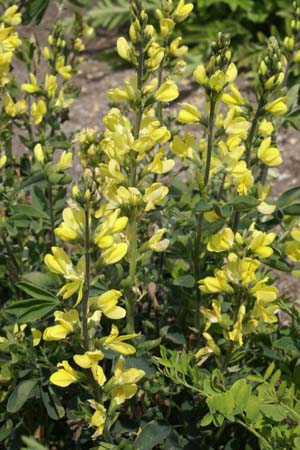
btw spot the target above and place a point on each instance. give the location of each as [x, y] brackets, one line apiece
[130, 302]
[52, 217]
[197, 269]
[249, 142]
[10, 252]
[86, 293]
[210, 139]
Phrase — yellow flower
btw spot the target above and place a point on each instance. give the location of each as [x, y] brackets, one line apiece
[260, 242]
[64, 162]
[50, 85]
[156, 243]
[38, 111]
[213, 315]
[61, 264]
[167, 92]
[156, 55]
[277, 107]
[211, 347]
[38, 153]
[114, 253]
[12, 108]
[89, 358]
[31, 87]
[107, 303]
[98, 374]
[183, 10]
[189, 114]
[217, 81]
[269, 155]
[231, 73]
[123, 49]
[11, 16]
[36, 336]
[233, 99]
[73, 224]
[116, 343]
[293, 251]
[98, 418]
[161, 165]
[221, 241]
[68, 320]
[125, 380]
[64, 71]
[265, 128]
[236, 334]
[65, 375]
[200, 74]
[218, 283]
[175, 48]
[166, 26]
[154, 195]
[3, 160]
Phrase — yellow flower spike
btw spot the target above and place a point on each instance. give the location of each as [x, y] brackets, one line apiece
[242, 177]
[31, 87]
[167, 92]
[98, 418]
[154, 196]
[39, 154]
[50, 85]
[115, 253]
[221, 241]
[269, 155]
[175, 48]
[123, 49]
[116, 343]
[211, 347]
[265, 128]
[156, 55]
[64, 162]
[183, 10]
[64, 71]
[200, 74]
[156, 243]
[189, 114]
[107, 303]
[237, 126]
[130, 196]
[118, 95]
[3, 160]
[233, 99]
[236, 335]
[36, 336]
[65, 375]
[98, 374]
[166, 27]
[38, 111]
[277, 107]
[73, 224]
[11, 16]
[260, 242]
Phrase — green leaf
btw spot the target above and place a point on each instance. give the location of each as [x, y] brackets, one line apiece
[276, 263]
[141, 363]
[244, 203]
[292, 210]
[206, 420]
[43, 280]
[35, 9]
[35, 291]
[241, 392]
[223, 403]
[289, 197]
[274, 412]
[32, 444]
[20, 395]
[292, 95]
[52, 404]
[154, 433]
[294, 119]
[29, 211]
[32, 309]
[187, 281]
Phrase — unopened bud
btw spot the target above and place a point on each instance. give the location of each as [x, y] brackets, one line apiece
[38, 153]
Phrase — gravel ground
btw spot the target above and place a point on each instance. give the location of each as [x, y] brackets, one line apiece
[96, 77]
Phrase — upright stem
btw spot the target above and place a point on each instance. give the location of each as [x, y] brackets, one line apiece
[130, 303]
[86, 292]
[52, 218]
[210, 139]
